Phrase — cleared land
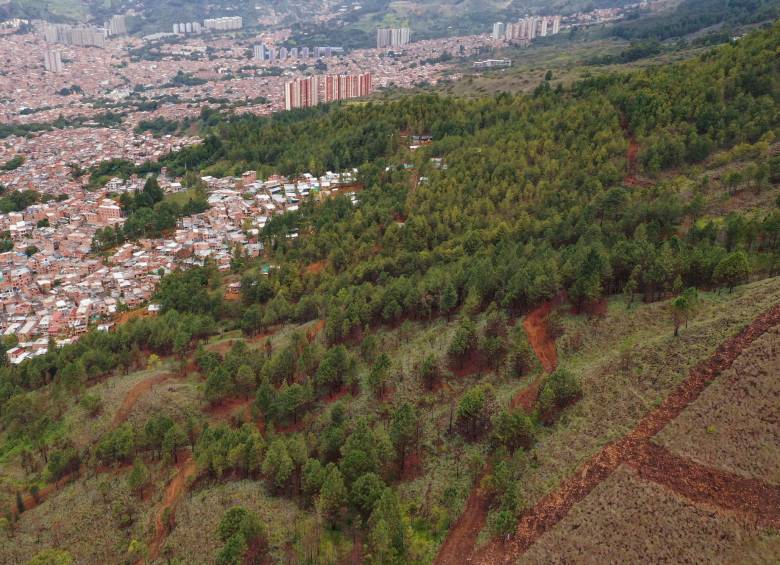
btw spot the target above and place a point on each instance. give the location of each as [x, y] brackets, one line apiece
[628, 520]
[735, 423]
[716, 333]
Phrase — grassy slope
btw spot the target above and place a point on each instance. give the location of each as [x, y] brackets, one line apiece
[622, 379]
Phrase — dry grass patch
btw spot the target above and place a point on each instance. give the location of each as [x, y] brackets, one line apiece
[627, 520]
[734, 424]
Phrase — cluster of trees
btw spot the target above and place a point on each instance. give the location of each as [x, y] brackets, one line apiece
[18, 200]
[158, 126]
[694, 15]
[104, 171]
[148, 215]
[343, 472]
[95, 355]
[543, 208]
[243, 536]
[13, 163]
[311, 140]
[160, 438]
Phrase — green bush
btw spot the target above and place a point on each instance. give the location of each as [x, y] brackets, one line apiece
[559, 390]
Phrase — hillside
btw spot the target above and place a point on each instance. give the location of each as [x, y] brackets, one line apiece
[550, 332]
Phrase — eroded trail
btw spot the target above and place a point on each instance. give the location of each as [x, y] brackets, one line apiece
[135, 393]
[185, 469]
[458, 547]
[460, 541]
[634, 449]
[706, 485]
[543, 344]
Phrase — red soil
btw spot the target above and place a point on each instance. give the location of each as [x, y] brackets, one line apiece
[463, 535]
[631, 179]
[460, 541]
[687, 478]
[705, 485]
[539, 337]
[232, 295]
[186, 468]
[135, 393]
[315, 330]
[128, 315]
[225, 409]
[316, 268]
[472, 365]
[412, 466]
[543, 345]
[29, 502]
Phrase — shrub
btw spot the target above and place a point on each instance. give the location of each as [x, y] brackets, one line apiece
[559, 390]
[513, 430]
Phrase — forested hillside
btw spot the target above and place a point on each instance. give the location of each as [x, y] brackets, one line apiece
[391, 362]
[540, 181]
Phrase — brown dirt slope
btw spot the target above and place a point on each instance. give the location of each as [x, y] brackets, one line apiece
[552, 508]
[135, 393]
[543, 344]
[185, 469]
[463, 534]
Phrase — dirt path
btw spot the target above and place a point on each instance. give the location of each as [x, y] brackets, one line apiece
[135, 393]
[543, 345]
[632, 179]
[634, 450]
[705, 485]
[186, 468]
[461, 538]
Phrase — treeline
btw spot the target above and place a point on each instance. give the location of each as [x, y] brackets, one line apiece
[693, 15]
[315, 140]
[635, 52]
[531, 201]
[104, 120]
[104, 171]
[19, 200]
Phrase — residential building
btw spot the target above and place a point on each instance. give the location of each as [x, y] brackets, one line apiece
[52, 61]
[393, 37]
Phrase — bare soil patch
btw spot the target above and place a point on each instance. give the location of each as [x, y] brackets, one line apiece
[750, 498]
[185, 469]
[316, 268]
[135, 393]
[543, 344]
[460, 541]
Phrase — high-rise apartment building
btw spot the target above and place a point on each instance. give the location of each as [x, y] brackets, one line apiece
[499, 31]
[302, 93]
[52, 61]
[556, 25]
[393, 37]
[529, 28]
[227, 23]
[343, 87]
[261, 52]
[117, 25]
[187, 27]
[81, 36]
